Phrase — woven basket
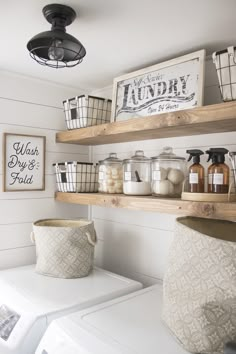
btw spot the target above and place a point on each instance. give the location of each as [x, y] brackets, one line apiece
[199, 304]
[65, 248]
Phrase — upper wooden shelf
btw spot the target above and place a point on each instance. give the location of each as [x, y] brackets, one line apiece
[222, 210]
[215, 118]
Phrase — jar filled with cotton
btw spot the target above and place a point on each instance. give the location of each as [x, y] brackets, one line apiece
[137, 175]
[110, 176]
[168, 174]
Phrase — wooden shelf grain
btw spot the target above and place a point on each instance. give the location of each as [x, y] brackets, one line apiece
[215, 118]
[224, 210]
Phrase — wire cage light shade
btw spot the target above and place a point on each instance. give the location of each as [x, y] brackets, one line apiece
[56, 48]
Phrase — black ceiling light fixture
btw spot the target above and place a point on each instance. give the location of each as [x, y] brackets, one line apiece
[56, 48]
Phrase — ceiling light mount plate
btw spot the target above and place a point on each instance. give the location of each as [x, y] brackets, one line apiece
[58, 11]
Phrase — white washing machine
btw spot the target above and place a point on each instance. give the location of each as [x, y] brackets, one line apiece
[29, 302]
[128, 325]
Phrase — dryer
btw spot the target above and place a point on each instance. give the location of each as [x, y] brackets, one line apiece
[128, 325]
[30, 301]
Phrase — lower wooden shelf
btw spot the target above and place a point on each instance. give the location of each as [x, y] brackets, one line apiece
[219, 210]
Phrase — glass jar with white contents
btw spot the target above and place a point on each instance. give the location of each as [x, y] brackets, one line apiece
[168, 174]
[110, 176]
[137, 175]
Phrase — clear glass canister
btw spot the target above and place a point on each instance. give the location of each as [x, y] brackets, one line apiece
[168, 174]
[110, 176]
[137, 175]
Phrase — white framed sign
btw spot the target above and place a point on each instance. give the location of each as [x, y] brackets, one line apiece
[24, 162]
[169, 86]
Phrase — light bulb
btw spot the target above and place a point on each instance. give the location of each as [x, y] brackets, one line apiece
[55, 52]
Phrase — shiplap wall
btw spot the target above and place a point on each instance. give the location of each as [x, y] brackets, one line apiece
[136, 243]
[29, 106]
[131, 243]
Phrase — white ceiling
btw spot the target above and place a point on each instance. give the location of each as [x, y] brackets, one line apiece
[119, 35]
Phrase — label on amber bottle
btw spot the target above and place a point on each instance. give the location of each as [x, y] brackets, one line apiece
[218, 178]
[193, 178]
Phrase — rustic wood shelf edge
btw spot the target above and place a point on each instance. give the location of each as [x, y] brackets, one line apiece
[201, 120]
[224, 211]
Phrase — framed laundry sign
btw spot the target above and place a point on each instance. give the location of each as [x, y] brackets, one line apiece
[24, 162]
[169, 86]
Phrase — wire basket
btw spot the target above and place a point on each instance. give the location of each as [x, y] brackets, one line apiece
[225, 62]
[76, 177]
[85, 111]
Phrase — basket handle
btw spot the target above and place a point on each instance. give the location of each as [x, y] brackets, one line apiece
[214, 57]
[32, 237]
[231, 53]
[90, 240]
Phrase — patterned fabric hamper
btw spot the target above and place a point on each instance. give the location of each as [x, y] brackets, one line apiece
[65, 248]
[199, 299]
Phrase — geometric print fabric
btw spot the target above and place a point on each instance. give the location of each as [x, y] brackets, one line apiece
[64, 252]
[199, 298]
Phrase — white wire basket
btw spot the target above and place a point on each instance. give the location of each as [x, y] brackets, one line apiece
[225, 62]
[76, 177]
[85, 111]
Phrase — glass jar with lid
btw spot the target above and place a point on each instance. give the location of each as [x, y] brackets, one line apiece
[137, 174]
[110, 176]
[168, 173]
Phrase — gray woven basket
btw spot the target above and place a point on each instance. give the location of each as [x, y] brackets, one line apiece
[64, 248]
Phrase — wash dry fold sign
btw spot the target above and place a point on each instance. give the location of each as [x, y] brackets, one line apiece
[24, 162]
[170, 86]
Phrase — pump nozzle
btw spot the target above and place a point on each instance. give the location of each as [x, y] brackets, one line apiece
[210, 153]
[195, 154]
[217, 154]
[220, 151]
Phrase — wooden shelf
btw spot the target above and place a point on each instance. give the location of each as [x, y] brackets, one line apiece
[212, 210]
[215, 118]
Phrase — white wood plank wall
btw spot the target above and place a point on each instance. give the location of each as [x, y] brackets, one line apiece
[136, 243]
[29, 106]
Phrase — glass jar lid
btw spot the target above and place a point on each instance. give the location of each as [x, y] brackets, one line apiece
[167, 154]
[138, 157]
[111, 159]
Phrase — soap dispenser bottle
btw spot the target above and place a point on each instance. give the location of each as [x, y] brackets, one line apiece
[196, 172]
[218, 171]
[210, 170]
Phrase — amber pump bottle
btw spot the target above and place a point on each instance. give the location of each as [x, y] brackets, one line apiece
[218, 171]
[196, 172]
[210, 170]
